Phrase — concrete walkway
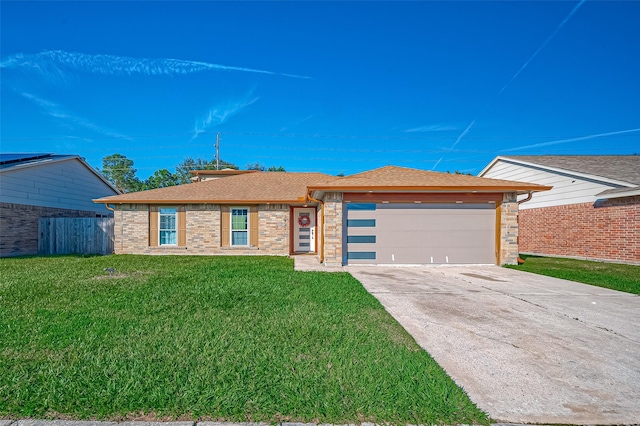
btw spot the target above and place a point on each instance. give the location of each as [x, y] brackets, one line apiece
[309, 262]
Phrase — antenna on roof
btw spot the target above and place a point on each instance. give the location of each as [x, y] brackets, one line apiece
[218, 151]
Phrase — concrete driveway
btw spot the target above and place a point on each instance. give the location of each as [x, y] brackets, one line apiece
[526, 348]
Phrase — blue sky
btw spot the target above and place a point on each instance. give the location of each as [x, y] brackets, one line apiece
[336, 87]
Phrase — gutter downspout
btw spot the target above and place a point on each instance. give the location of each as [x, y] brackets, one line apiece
[524, 200]
[529, 197]
[310, 198]
[109, 208]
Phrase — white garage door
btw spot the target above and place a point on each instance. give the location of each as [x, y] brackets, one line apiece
[420, 233]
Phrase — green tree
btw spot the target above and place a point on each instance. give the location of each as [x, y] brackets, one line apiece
[183, 169]
[119, 170]
[161, 179]
[276, 169]
[261, 167]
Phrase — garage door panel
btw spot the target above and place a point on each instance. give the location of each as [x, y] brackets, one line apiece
[422, 234]
[436, 256]
[435, 239]
[434, 223]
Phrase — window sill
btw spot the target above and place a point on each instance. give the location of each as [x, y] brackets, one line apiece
[240, 248]
[167, 247]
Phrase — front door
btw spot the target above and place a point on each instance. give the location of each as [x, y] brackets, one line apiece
[304, 230]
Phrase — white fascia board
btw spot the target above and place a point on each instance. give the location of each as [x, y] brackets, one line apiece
[630, 193]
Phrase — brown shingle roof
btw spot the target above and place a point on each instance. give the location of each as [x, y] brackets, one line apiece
[393, 178]
[259, 187]
[287, 187]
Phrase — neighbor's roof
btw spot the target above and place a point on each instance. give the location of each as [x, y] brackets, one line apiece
[258, 187]
[621, 168]
[12, 162]
[393, 178]
[9, 158]
[289, 187]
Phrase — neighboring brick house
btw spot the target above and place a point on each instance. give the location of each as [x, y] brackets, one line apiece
[34, 186]
[390, 215]
[592, 212]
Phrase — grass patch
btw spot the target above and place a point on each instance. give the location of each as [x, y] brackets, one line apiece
[615, 276]
[220, 338]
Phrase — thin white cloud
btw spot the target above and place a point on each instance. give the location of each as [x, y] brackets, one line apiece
[70, 120]
[581, 138]
[431, 128]
[53, 63]
[219, 114]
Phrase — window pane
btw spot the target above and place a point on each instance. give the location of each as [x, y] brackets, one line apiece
[361, 206]
[168, 237]
[167, 225]
[239, 238]
[361, 223]
[361, 239]
[167, 221]
[361, 255]
[239, 219]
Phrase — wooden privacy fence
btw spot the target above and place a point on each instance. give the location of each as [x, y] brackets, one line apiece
[82, 235]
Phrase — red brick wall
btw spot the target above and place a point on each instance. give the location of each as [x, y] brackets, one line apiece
[608, 230]
[19, 226]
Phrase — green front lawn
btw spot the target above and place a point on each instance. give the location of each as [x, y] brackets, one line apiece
[609, 275]
[221, 338]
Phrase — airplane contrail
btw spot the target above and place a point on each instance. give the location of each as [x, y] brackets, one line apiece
[580, 138]
[517, 73]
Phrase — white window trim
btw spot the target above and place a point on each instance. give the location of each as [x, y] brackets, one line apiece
[231, 230]
[160, 225]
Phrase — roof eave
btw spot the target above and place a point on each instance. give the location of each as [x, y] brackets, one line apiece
[525, 188]
[173, 202]
[632, 192]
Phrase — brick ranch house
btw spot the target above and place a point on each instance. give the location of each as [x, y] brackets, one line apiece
[592, 212]
[390, 215]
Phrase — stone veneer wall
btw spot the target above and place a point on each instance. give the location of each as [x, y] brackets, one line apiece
[333, 229]
[19, 226]
[508, 230]
[203, 231]
[608, 230]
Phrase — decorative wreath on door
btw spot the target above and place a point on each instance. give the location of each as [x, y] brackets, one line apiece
[304, 220]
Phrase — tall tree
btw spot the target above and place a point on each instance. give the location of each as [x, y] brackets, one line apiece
[119, 170]
[161, 179]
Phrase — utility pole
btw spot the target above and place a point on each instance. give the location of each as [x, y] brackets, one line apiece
[218, 151]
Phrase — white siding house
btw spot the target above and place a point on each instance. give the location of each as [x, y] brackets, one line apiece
[569, 187]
